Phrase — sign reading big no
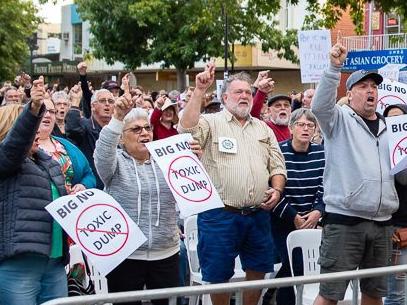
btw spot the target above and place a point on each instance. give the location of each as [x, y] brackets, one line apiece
[188, 180]
[99, 226]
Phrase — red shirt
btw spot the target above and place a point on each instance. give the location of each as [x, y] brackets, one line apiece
[282, 132]
[159, 130]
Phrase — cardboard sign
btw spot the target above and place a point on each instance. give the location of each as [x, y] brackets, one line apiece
[391, 93]
[187, 178]
[391, 71]
[99, 226]
[314, 47]
[397, 130]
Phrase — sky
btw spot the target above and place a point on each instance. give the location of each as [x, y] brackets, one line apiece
[51, 12]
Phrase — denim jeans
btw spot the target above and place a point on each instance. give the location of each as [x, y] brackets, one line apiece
[395, 289]
[30, 279]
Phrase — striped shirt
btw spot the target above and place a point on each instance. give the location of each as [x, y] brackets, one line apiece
[304, 190]
[241, 178]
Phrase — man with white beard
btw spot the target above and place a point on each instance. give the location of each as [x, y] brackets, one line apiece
[235, 144]
[280, 113]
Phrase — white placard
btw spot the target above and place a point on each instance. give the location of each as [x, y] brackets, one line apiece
[397, 130]
[185, 175]
[219, 85]
[314, 47]
[391, 93]
[99, 226]
[391, 71]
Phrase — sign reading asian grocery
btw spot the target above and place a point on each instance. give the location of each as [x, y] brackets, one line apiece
[373, 60]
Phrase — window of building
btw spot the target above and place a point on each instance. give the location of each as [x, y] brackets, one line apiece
[393, 23]
[77, 38]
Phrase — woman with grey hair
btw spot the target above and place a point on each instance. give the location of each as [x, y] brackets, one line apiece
[62, 104]
[132, 177]
[301, 205]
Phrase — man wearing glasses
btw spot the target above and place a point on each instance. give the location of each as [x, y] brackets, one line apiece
[84, 132]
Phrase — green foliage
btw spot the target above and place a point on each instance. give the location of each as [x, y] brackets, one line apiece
[328, 14]
[180, 32]
[18, 22]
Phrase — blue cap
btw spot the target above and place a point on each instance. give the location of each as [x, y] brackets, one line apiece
[360, 75]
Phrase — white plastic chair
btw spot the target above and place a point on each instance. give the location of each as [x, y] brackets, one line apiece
[309, 241]
[99, 281]
[191, 243]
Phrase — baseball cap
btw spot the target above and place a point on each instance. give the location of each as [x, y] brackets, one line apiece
[110, 84]
[278, 97]
[360, 75]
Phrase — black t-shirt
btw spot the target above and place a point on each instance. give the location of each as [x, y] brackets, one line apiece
[373, 125]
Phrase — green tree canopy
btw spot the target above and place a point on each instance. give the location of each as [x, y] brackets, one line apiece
[18, 22]
[180, 32]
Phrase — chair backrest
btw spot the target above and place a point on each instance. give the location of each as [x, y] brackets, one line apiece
[191, 242]
[309, 241]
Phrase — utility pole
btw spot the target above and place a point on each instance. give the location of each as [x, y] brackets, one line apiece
[226, 43]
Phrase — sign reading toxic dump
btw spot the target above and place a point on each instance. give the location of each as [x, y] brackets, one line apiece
[99, 226]
[391, 93]
[185, 175]
[397, 127]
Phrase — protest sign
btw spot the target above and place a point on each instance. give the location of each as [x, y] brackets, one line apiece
[185, 175]
[397, 128]
[219, 85]
[314, 47]
[99, 226]
[391, 93]
[391, 71]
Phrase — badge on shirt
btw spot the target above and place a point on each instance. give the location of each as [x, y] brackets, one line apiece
[228, 145]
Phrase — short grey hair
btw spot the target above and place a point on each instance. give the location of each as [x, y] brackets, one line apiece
[96, 94]
[297, 114]
[243, 76]
[136, 114]
[59, 95]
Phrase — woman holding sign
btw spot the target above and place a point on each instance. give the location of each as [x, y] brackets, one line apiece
[132, 177]
[33, 252]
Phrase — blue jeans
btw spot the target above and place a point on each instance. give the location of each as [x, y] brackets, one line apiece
[30, 279]
[395, 289]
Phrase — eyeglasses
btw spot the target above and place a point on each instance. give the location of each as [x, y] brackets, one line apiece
[109, 101]
[138, 129]
[51, 111]
[302, 125]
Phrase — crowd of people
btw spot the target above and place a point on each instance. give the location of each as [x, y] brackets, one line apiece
[292, 161]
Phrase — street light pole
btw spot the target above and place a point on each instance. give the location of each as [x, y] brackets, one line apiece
[225, 16]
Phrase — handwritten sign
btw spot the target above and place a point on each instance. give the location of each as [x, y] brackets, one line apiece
[391, 93]
[314, 49]
[391, 71]
[99, 226]
[186, 176]
[397, 128]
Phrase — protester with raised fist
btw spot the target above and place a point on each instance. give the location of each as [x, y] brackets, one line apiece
[33, 249]
[235, 145]
[134, 179]
[359, 191]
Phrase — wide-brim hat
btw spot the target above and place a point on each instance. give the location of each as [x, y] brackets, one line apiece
[168, 103]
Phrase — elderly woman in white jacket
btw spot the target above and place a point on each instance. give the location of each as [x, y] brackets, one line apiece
[132, 177]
